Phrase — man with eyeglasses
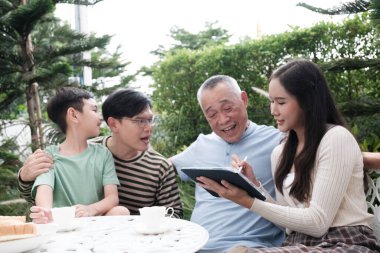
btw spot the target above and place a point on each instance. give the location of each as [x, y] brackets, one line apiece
[146, 177]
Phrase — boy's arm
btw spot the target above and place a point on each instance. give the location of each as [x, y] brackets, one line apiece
[110, 200]
[44, 196]
[44, 201]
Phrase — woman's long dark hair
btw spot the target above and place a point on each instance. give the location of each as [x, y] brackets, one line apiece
[305, 81]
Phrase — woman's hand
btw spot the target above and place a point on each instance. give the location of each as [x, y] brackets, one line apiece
[246, 170]
[227, 191]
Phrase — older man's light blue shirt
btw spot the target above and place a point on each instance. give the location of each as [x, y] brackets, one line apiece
[228, 223]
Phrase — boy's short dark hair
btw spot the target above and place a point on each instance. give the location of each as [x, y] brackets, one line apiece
[125, 103]
[64, 99]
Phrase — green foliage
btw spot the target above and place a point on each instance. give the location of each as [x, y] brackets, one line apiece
[15, 207]
[375, 14]
[369, 141]
[362, 106]
[10, 204]
[356, 6]
[183, 81]
[371, 144]
[186, 191]
[179, 74]
[35, 47]
[54, 54]
[9, 165]
[79, 2]
[52, 134]
[25, 17]
[210, 36]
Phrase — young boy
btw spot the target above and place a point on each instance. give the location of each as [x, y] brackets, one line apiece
[84, 173]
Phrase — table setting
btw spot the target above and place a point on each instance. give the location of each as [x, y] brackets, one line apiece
[154, 230]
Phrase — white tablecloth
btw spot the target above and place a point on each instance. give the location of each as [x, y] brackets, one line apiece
[113, 234]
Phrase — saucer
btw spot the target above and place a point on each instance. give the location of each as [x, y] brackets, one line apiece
[148, 230]
[73, 225]
[47, 230]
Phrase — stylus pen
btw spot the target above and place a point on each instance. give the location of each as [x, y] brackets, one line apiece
[241, 167]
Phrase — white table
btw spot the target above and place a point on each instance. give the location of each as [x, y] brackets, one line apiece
[115, 234]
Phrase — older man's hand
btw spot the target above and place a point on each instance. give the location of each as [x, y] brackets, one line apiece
[37, 163]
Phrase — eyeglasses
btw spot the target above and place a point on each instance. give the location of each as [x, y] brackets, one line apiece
[143, 122]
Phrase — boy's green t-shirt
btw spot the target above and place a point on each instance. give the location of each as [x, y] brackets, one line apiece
[79, 179]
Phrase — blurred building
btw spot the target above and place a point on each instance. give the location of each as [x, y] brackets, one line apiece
[76, 16]
[81, 25]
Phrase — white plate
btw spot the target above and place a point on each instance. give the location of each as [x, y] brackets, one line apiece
[22, 245]
[31, 242]
[143, 229]
[47, 230]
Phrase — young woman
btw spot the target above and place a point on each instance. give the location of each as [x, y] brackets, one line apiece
[318, 170]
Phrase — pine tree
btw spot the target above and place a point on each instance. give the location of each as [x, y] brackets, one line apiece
[36, 51]
[362, 106]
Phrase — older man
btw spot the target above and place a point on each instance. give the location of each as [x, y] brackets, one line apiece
[225, 108]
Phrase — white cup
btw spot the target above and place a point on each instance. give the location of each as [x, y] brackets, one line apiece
[154, 216]
[63, 216]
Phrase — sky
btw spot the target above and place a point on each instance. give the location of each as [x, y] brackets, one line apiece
[139, 27]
